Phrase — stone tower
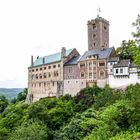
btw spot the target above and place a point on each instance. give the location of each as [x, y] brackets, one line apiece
[98, 33]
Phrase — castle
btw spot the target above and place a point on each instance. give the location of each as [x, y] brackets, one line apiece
[67, 72]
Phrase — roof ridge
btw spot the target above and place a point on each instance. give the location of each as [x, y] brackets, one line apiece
[56, 53]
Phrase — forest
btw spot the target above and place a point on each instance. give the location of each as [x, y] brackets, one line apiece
[93, 114]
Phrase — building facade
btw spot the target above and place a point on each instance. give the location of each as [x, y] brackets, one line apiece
[67, 72]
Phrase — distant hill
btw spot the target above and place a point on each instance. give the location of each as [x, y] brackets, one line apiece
[10, 93]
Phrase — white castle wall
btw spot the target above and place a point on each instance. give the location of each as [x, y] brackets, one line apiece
[102, 83]
[73, 86]
[121, 82]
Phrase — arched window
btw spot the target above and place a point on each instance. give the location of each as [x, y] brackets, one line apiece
[82, 74]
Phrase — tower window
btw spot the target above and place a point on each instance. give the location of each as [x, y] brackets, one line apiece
[105, 27]
[94, 26]
[94, 44]
[94, 35]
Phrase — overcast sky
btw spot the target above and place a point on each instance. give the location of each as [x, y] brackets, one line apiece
[42, 27]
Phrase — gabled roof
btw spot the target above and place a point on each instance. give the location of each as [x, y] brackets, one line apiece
[122, 63]
[73, 61]
[50, 58]
[102, 53]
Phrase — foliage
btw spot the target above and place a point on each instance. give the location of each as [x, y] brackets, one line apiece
[93, 114]
[3, 103]
[20, 97]
[30, 130]
[136, 34]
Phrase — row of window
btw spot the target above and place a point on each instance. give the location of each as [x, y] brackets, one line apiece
[94, 27]
[90, 64]
[117, 71]
[43, 84]
[45, 75]
[90, 74]
[49, 67]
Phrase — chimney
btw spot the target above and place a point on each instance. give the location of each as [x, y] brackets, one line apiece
[63, 52]
[43, 60]
[32, 59]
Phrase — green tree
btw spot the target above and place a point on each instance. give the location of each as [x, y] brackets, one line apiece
[136, 34]
[21, 96]
[30, 130]
[3, 103]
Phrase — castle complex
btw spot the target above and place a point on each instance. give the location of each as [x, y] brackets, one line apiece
[67, 72]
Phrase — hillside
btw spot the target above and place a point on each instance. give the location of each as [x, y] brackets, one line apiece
[10, 93]
[94, 114]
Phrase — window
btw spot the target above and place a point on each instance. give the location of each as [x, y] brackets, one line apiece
[117, 71]
[44, 68]
[36, 76]
[101, 63]
[90, 75]
[32, 70]
[90, 64]
[49, 67]
[94, 44]
[58, 65]
[82, 65]
[94, 35]
[40, 68]
[44, 84]
[94, 26]
[111, 63]
[56, 73]
[54, 66]
[39, 84]
[29, 70]
[36, 69]
[111, 70]
[44, 75]
[121, 70]
[70, 69]
[105, 27]
[82, 74]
